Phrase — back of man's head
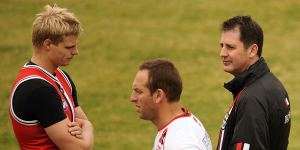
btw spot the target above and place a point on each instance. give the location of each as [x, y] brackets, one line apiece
[250, 31]
[54, 23]
[163, 75]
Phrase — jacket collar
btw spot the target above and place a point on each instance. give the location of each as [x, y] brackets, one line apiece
[254, 72]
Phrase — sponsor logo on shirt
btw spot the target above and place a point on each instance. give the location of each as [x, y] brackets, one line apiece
[287, 118]
[206, 141]
[65, 104]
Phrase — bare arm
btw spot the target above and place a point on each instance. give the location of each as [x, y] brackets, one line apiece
[59, 134]
[80, 113]
[74, 128]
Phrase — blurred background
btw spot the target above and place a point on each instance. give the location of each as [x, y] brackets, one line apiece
[120, 34]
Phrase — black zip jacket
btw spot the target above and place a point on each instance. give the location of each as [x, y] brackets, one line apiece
[259, 118]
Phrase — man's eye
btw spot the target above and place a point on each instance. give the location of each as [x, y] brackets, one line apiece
[138, 91]
[69, 47]
[230, 47]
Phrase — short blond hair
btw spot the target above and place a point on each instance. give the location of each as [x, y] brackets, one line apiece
[54, 23]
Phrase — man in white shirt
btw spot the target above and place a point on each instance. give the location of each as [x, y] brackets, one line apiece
[156, 94]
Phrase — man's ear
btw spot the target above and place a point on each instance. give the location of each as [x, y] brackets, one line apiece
[159, 95]
[47, 43]
[253, 49]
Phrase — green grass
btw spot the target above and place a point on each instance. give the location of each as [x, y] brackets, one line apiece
[119, 35]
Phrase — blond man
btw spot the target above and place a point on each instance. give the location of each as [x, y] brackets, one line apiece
[44, 110]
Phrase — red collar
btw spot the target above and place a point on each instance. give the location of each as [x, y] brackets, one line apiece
[185, 113]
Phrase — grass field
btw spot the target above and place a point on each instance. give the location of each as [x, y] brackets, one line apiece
[120, 34]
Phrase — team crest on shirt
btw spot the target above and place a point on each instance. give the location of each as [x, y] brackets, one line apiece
[287, 118]
[64, 104]
[206, 141]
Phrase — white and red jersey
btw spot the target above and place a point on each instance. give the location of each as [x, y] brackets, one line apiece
[184, 132]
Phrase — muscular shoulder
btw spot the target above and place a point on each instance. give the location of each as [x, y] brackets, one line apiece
[187, 133]
[37, 99]
[30, 87]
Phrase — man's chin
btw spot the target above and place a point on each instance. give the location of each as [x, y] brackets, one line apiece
[142, 117]
[228, 70]
[66, 64]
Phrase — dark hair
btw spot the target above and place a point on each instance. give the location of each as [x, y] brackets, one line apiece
[163, 75]
[250, 31]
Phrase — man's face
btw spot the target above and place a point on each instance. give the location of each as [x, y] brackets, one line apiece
[235, 57]
[62, 53]
[141, 96]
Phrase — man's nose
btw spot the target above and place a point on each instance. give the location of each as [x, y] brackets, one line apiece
[223, 52]
[133, 98]
[74, 51]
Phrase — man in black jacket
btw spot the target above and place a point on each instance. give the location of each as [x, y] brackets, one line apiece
[259, 117]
